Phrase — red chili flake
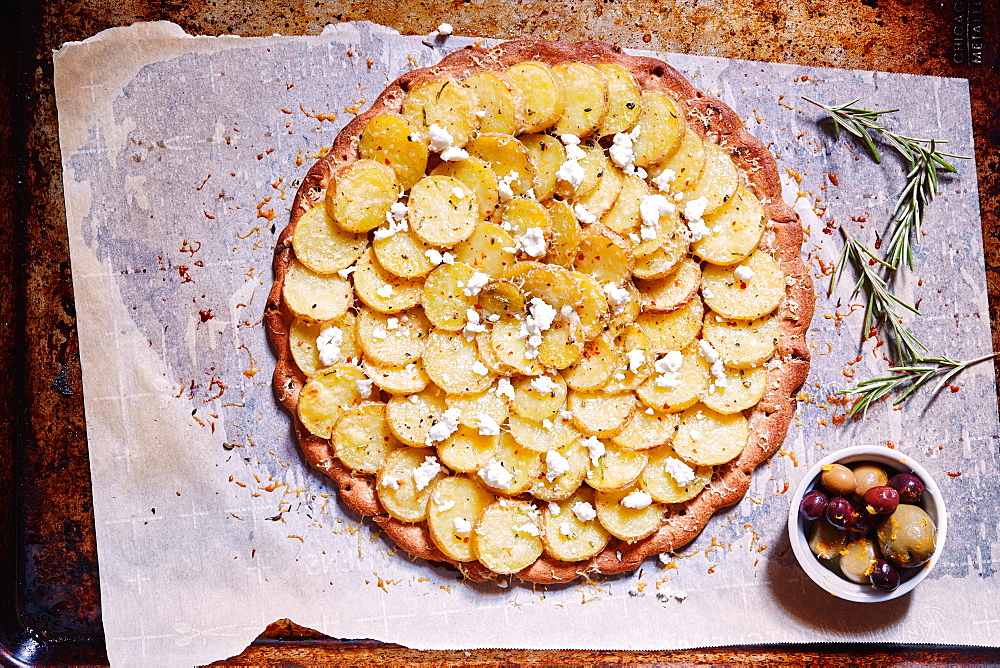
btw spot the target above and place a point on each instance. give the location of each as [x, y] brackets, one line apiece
[954, 388]
[953, 475]
[206, 315]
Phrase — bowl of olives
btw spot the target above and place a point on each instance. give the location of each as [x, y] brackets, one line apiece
[867, 523]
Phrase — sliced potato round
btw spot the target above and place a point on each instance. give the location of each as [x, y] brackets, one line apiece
[361, 194]
[392, 140]
[662, 295]
[501, 297]
[520, 215]
[443, 210]
[536, 404]
[543, 96]
[448, 104]
[542, 435]
[632, 368]
[624, 99]
[718, 180]
[562, 344]
[623, 217]
[453, 363]
[521, 464]
[709, 438]
[472, 406]
[547, 156]
[565, 232]
[506, 155]
[552, 284]
[658, 477]
[603, 196]
[477, 174]
[398, 491]
[662, 125]
[742, 343]
[302, 341]
[624, 309]
[595, 367]
[738, 299]
[600, 413]
[586, 98]
[737, 227]
[629, 524]
[617, 469]
[487, 250]
[664, 260]
[444, 298]
[647, 429]
[593, 307]
[686, 164]
[392, 341]
[315, 297]
[381, 290]
[327, 395]
[512, 349]
[484, 344]
[567, 537]
[501, 106]
[410, 420]
[454, 505]
[605, 255]
[674, 330]
[398, 380]
[467, 450]
[691, 382]
[321, 244]
[362, 440]
[506, 536]
[562, 486]
[404, 254]
[743, 389]
[594, 162]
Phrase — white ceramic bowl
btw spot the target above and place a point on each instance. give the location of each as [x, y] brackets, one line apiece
[798, 526]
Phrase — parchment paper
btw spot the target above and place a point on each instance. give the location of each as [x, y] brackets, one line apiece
[181, 156]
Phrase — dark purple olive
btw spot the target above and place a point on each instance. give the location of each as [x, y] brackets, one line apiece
[909, 486]
[840, 513]
[881, 500]
[865, 521]
[813, 505]
[883, 576]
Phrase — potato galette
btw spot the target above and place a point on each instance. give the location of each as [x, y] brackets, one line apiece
[541, 311]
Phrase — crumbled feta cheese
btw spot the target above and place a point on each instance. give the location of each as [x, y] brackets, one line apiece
[664, 180]
[695, 435]
[475, 283]
[423, 474]
[669, 368]
[495, 475]
[479, 368]
[504, 186]
[618, 297]
[554, 508]
[328, 344]
[385, 291]
[505, 389]
[446, 506]
[546, 424]
[712, 357]
[555, 465]
[569, 140]
[487, 425]
[539, 319]
[696, 208]
[391, 483]
[636, 358]
[434, 256]
[565, 528]
[392, 323]
[462, 526]
[379, 334]
[619, 376]
[596, 448]
[622, 153]
[571, 172]
[454, 154]
[566, 415]
[634, 238]
[651, 208]
[413, 399]
[364, 387]
[682, 474]
[347, 271]
[743, 272]
[529, 528]
[584, 216]
[543, 385]
[481, 113]
[584, 511]
[494, 318]
[444, 426]
[396, 224]
[532, 242]
[637, 500]
[445, 29]
[440, 138]
[411, 367]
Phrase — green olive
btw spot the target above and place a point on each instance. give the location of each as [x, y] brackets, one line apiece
[908, 536]
[857, 559]
[867, 476]
[837, 479]
[825, 540]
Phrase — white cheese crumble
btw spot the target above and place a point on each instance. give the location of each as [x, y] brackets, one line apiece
[462, 526]
[445, 29]
[565, 528]
[436, 257]
[385, 291]
[555, 465]
[618, 298]
[743, 272]
[636, 358]
[505, 388]
[664, 180]
[529, 528]
[596, 448]
[379, 334]
[619, 376]
[584, 216]
[569, 140]
[532, 242]
[637, 500]
[392, 323]
[712, 357]
[554, 508]
[682, 474]
[693, 211]
[446, 506]
[495, 475]
[479, 368]
[413, 399]
[444, 426]
[584, 511]
[396, 217]
[487, 425]
[440, 138]
[651, 208]
[669, 368]
[543, 385]
[571, 172]
[622, 153]
[476, 282]
[454, 154]
[566, 415]
[328, 344]
[539, 319]
[503, 187]
[364, 387]
[546, 424]
[347, 271]
[423, 474]
[391, 483]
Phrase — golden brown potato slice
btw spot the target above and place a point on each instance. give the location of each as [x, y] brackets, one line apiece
[361, 194]
[362, 440]
[674, 330]
[605, 255]
[327, 396]
[322, 245]
[384, 291]
[509, 159]
[305, 351]
[392, 340]
[543, 96]
[566, 536]
[512, 468]
[547, 156]
[603, 196]
[634, 362]
[452, 362]
[586, 98]
[404, 254]
[593, 307]
[665, 472]
[552, 284]
[539, 397]
[506, 536]
[405, 481]
[477, 174]
[315, 297]
[617, 469]
[542, 435]
[410, 419]
[742, 343]
[467, 450]
[573, 460]
[662, 127]
[472, 407]
[512, 349]
[685, 165]
[623, 217]
[454, 505]
[708, 438]
[662, 295]
[677, 387]
[737, 227]
[392, 140]
[743, 389]
[718, 181]
[647, 429]
[565, 233]
[624, 99]
[501, 297]
[595, 367]
[522, 216]
[447, 104]
[445, 299]
[443, 210]
[745, 291]
[501, 106]
[664, 260]
[600, 413]
[562, 344]
[487, 250]
[624, 522]
[398, 380]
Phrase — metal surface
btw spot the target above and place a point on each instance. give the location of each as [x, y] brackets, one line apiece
[49, 591]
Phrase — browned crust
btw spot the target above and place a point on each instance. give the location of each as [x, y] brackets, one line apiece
[769, 420]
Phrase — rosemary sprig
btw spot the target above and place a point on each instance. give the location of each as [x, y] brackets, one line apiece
[924, 162]
[880, 308]
[911, 377]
